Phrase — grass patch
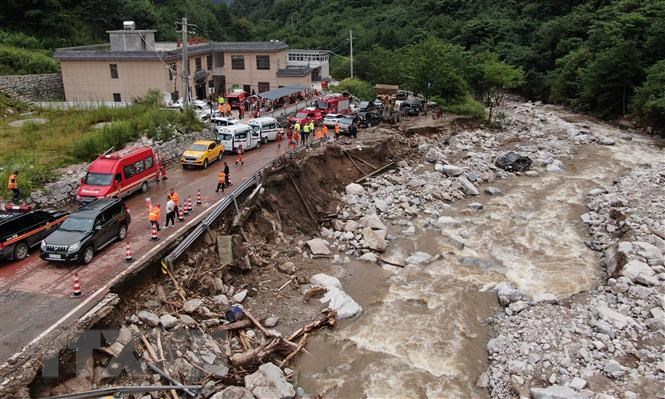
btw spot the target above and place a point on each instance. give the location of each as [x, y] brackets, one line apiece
[21, 61]
[468, 106]
[69, 137]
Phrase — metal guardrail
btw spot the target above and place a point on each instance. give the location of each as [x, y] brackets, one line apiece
[218, 209]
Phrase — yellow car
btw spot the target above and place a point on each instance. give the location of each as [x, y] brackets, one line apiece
[202, 153]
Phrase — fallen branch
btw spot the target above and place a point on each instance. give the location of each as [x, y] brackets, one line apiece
[295, 352]
[255, 355]
[327, 319]
[302, 198]
[284, 285]
[310, 292]
[256, 323]
[235, 325]
[391, 263]
[354, 163]
[375, 172]
[360, 160]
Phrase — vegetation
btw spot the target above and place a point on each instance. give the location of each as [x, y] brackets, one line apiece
[593, 55]
[70, 136]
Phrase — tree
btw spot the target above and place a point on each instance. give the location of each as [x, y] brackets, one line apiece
[649, 101]
[496, 79]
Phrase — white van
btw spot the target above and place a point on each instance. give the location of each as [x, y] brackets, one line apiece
[266, 126]
[220, 122]
[240, 134]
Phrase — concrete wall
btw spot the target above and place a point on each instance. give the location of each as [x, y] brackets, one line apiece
[91, 80]
[43, 87]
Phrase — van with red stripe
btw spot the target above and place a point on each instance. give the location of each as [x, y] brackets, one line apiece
[118, 174]
[22, 230]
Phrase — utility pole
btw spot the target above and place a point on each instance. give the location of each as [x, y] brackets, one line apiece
[351, 50]
[185, 60]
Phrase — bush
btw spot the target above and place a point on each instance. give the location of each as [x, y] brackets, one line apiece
[467, 106]
[18, 61]
[359, 88]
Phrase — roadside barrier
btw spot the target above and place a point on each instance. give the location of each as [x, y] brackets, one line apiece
[128, 255]
[76, 292]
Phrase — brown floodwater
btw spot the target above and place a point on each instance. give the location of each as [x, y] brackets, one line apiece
[423, 332]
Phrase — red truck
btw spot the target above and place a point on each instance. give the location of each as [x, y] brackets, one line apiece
[236, 98]
[306, 115]
[335, 104]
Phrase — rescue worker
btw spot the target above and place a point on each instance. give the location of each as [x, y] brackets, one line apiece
[175, 197]
[228, 109]
[227, 173]
[161, 171]
[220, 100]
[305, 133]
[154, 216]
[241, 111]
[296, 128]
[12, 185]
[278, 139]
[221, 181]
[311, 129]
[294, 142]
[240, 158]
[325, 133]
[170, 212]
[336, 131]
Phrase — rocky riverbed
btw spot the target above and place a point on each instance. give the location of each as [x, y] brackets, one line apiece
[450, 226]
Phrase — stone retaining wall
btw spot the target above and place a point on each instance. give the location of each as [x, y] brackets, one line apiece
[63, 192]
[42, 87]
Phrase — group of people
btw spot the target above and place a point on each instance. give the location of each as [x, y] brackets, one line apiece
[172, 203]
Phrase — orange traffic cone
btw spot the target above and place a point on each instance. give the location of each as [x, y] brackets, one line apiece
[128, 256]
[198, 197]
[185, 207]
[153, 233]
[76, 293]
[180, 216]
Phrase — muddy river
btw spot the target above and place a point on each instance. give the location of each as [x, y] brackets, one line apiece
[423, 332]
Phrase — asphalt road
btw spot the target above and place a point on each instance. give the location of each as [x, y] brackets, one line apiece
[34, 294]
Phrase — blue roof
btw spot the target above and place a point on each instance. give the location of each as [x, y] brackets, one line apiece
[282, 92]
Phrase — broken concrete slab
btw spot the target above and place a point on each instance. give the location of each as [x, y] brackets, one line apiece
[225, 250]
[318, 246]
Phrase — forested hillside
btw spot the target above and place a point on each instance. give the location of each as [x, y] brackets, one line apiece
[599, 56]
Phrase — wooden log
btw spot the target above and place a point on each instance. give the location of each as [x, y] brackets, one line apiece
[255, 355]
[355, 164]
[235, 325]
[256, 323]
[375, 172]
[295, 351]
[310, 292]
[360, 160]
[327, 319]
[302, 198]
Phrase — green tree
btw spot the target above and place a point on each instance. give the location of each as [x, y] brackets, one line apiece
[495, 80]
[649, 102]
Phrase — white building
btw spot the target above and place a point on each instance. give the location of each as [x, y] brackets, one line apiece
[318, 60]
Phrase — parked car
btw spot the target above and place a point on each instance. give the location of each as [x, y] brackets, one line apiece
[202, 153]
[234, 136]
[267, 128]
[118, 174]
[331, 119]
[20, 231]
[87, 231]
[346, 121]
[370, 119]
[306, 115]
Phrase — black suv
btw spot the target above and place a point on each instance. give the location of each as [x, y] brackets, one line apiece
[86, 231]
[20, 231]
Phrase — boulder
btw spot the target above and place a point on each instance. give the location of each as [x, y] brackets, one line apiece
[319, 246]
[555, 167]
[269, 382]
[192, 305]
[467, 186]
[168, 321]
[606, 141]
[636, 270]
[374, 239]
[476, 206]
[508, 294]
[444, 222]
[372, 221]
[614, 369]
[354, 189]
[187, 320]
[613, 317]
[554, 392]
[369, 257]
[513, 162]
[149, 318]
[233, 392]
[341, 303]
[287, 267]
[324, 280]
[351, 225]
[271, 321]
[240, 296]
[493, 191]
[420, 258]
[647, 251]
[452, 170]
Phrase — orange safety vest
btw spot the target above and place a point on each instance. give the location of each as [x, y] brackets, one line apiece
[12, 184]
[337, 128]
[228, 107]
[176, 198]
[221, 177]
[154, 215]
[325, 130]
[220, 108]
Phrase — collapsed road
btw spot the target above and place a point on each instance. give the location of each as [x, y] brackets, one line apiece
[450, 270]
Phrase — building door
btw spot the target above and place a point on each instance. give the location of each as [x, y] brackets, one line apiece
[201, 91]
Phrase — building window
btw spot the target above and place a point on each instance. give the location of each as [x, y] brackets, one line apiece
[116, 97]
[263, 62]
[114, 71]
[237, 62]
[264, 86]
[172, 71]
[197, 63]
[246, 88]
[209, 62]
